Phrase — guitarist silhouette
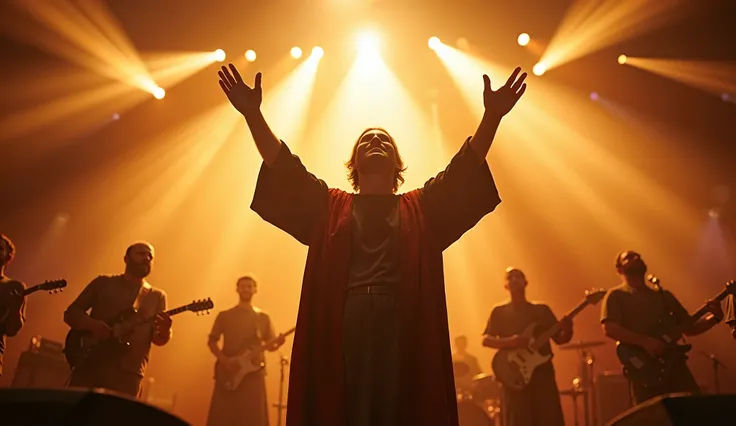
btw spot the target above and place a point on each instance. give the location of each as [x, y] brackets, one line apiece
[239, 397]
[12, 301]
[639, 315]
[539, 401]
[108, 298]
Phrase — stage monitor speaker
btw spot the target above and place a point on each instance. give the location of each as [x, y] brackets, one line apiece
[73, 407]
[680, 410]
[612, 395]
[36, 370]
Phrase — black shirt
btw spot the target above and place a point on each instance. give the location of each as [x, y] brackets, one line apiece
[374, 258]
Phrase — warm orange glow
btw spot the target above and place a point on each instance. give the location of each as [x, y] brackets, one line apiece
[220, 55]
[591, 26]
[715, 77]
[296, 52]
[318, 52]
[250, 55]
[539, 69]
[621, 59]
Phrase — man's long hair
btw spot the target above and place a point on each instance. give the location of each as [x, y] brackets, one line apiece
[353, 172]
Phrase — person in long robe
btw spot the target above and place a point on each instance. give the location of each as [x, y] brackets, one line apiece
[371, 345]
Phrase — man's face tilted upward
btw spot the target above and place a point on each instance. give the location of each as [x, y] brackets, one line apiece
[375, 153]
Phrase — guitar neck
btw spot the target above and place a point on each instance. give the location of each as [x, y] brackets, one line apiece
[170, 312]
[676, 332]
[544, 337]
[263, 346]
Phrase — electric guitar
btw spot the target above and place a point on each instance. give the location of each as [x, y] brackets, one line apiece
[247, 362]
[649, 370]
[514, 367]
[54, 286]
[80, 346]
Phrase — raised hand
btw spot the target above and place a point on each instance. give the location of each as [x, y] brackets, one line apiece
[243, 97]
[500, 102]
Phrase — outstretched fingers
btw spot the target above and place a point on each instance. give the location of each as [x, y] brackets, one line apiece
[512, 77]
[228, 77]
[521, 91]
[236, 74]
[224, 87]
[518, 83]
[486, 82]
[224, 79]
[257, 84]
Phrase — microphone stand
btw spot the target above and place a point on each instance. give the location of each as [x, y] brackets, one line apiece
[280, 405]
[715, 362]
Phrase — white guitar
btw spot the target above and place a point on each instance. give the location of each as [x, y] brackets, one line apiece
[514, 367]
[247, 362]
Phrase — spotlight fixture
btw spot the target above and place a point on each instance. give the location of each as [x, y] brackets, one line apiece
[523, 39]
[434, 43]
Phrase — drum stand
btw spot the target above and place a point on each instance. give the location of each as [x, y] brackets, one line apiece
[574, 392]
[586, 385]
[715, 363]
[280, 405]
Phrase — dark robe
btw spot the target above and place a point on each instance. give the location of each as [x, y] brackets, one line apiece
[431, 218]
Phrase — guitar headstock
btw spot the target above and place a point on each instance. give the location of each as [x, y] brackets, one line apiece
[52, 286]
[202, 305]
[594, 295]
[731, 287]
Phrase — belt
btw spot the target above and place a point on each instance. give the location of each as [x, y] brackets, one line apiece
[371, 289]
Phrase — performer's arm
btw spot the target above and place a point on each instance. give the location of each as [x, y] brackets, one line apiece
[15, 310]
[621, 334]
[247, 100]
[267, 143]
[214, 338]
[491, 338]
[513, 342]
[566, 329]
[497, 104]
[76, 314]
[162, 324]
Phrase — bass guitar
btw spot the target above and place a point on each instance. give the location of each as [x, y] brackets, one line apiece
[80, 346]
[648, 370]
[245, 363]
[514, 367]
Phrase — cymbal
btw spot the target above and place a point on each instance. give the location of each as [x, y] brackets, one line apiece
[483, 376]
[581, 344]
[460, 368]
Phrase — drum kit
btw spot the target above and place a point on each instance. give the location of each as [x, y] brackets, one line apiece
[482, 404]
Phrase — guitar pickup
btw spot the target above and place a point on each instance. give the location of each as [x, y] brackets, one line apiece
[636, 362]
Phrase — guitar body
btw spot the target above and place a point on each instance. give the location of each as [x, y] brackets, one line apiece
[247, 363]
[647, 370]
[81, 347]
[514, 367]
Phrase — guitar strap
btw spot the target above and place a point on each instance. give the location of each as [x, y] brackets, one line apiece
[143, 291]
